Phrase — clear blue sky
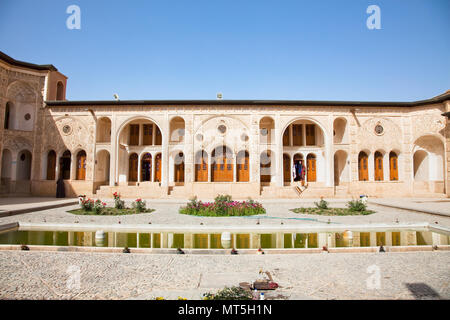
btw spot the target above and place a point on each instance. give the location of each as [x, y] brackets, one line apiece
[246, 49]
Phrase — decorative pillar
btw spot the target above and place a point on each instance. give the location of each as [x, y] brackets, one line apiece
[371, 165]
[165, 153]
[114, 157]
[279, 152]
[139, 168]
[209, 166]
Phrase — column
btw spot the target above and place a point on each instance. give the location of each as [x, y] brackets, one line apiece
[141, 134]
[291, 161]
[139, 169]
[234, 166]
[280, 240]
[291, 136]
[165, 153]
[329, 157]
[388, 238]
[114, 156]
[386, 171]
[371, 165]
[303, 134]
[279, 152]
[153, 134]
[209, 166]
[153, 167]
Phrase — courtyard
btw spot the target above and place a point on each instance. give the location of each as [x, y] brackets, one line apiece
[402, 275]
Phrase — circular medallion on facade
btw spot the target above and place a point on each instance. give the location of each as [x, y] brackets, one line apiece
[27, 116]
[222, 129]
[379, 129]
[67, 129]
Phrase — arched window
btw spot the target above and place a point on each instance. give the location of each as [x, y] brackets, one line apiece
[81, 165]
[51, 165]
[242, 166]
[65, 164]
[393, 166]
[7, 115]
[378, 163]
[60, 91]
[363, 168]
[201, 166]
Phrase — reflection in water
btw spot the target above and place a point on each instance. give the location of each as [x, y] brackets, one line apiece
[223, 240]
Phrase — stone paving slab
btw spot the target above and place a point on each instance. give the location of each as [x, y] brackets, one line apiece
[53, 275]
[439, 207]
[18, 205]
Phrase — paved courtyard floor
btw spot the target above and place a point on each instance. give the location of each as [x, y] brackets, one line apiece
[409, 275]
[43, 275]
[166, 212]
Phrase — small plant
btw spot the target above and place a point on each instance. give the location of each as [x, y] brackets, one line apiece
[233, 293]
[87, 204]
[357, 205]
[99, 205]
[139, 205]
[118, 204]
[322, 204]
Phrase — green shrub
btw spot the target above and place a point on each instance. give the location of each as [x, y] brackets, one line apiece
[322, 204]
[118, 204]
[357, 205]
[99, 206]
[233, 293]
[139, 205]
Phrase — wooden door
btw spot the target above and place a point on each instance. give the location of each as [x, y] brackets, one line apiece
[286, 168]
[158, 168]
[393, 166]
[363, 167]
[179, 168]
[148, 134]
[311, 168]
[201, 168]
[133, 167]
[243, 167]
[378, 166]
[146, 167]
[310, 134]
[51, 165]
[134, 134]
[222, 169]
[81, 165]
[297, 134]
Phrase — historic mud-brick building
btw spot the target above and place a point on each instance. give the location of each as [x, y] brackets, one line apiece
[157, 149]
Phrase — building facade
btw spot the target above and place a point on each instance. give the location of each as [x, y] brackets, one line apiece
[180, 149]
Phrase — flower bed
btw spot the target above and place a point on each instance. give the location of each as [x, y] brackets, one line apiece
[354, 207]
[97, 207]
[223, 206]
